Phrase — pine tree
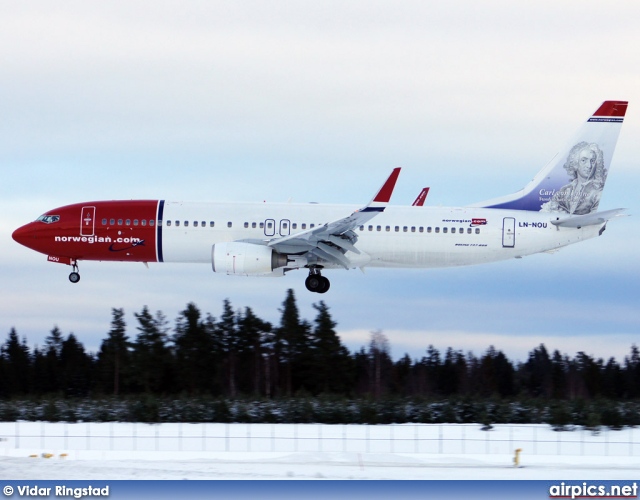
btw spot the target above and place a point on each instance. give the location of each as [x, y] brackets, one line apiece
[194, 351]
[433, 369]
[227, 336]
[114, 352]
[291, 343]
[76, 368]
[255, 337]
[329, 360]
[151, 354]
[53, 350]
[17, 365]
[538, 373]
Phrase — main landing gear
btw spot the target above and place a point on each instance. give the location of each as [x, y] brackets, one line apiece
[316, 282]
[74, 277]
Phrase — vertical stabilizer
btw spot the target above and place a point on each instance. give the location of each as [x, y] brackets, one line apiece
[572, 182]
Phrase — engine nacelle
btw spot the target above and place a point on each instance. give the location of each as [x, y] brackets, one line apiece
[245, 259]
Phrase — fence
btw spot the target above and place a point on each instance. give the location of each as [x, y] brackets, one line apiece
[404, 438]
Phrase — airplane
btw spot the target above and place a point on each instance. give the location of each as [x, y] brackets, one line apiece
[558, 207]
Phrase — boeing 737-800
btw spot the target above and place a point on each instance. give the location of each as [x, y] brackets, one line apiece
[557, 208]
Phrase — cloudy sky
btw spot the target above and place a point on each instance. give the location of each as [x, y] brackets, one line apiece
[318, 101]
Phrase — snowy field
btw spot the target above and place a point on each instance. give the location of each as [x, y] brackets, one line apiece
[86, 451]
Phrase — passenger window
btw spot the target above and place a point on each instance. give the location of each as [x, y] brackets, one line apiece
[246, 225]
[135, 222]
[253, 225]
[186, 223]
[378, 228]
[269, 225]
[477, 230]
[404, 229]
[468, 230]
[104, 222]
[444, 230]
[311, 226]
[262, 225]
[168, 223]
[388, 228]
[453, 230]
[229, 224]
[119, 222]
[361, 228]
[397, 229]
[152, 222]
[370, 228]
[112, 222]
[421, 229]
[212, 223]
[203, 223]
[428, 229]
[304, 226]
[195, 223]
[144, 222]
[127, 222]
[177, 223]
[437, 230]
[413, 229]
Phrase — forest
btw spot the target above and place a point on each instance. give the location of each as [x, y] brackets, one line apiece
[239, 367]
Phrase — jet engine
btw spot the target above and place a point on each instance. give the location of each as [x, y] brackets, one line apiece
[245, 259]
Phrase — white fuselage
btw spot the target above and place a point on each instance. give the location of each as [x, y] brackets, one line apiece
[419, 237]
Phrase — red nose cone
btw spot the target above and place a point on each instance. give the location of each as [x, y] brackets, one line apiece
[24, 235]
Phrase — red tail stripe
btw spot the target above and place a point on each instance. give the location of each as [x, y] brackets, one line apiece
[612, 108]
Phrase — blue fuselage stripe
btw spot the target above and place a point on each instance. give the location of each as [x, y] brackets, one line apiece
[159, 230]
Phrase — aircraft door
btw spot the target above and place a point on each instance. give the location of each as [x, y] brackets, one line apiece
[285, 227]
[269, 227]
[509, 232]
[87, 221]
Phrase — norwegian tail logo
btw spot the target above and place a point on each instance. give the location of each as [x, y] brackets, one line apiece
[572, 182]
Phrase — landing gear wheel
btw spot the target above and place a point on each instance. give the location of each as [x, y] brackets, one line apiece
[313, 282]
[325, 285]
[317, 283]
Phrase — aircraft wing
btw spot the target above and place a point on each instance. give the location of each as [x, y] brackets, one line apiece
[592, 219]
[332, 240]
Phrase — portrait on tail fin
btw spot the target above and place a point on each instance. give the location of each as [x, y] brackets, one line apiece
[587, 175]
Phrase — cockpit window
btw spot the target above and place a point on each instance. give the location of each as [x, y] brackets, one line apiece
[48, 219]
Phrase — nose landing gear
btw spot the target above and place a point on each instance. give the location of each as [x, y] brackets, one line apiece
[74, 277]
[317, 283]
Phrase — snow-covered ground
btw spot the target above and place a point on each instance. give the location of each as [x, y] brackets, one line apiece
[108, 451]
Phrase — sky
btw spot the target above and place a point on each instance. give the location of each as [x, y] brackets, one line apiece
[276, 101]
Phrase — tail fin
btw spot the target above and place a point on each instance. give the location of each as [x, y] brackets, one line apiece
[572, 182]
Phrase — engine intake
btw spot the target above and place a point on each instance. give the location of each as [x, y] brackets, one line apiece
[245, 259]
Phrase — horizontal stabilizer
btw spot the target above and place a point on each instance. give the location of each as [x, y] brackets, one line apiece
[589, 219]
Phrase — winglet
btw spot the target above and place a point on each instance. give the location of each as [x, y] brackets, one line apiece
[419, 201]
[384, 195]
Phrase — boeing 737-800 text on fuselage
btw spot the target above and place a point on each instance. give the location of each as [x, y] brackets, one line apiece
[557, 208]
